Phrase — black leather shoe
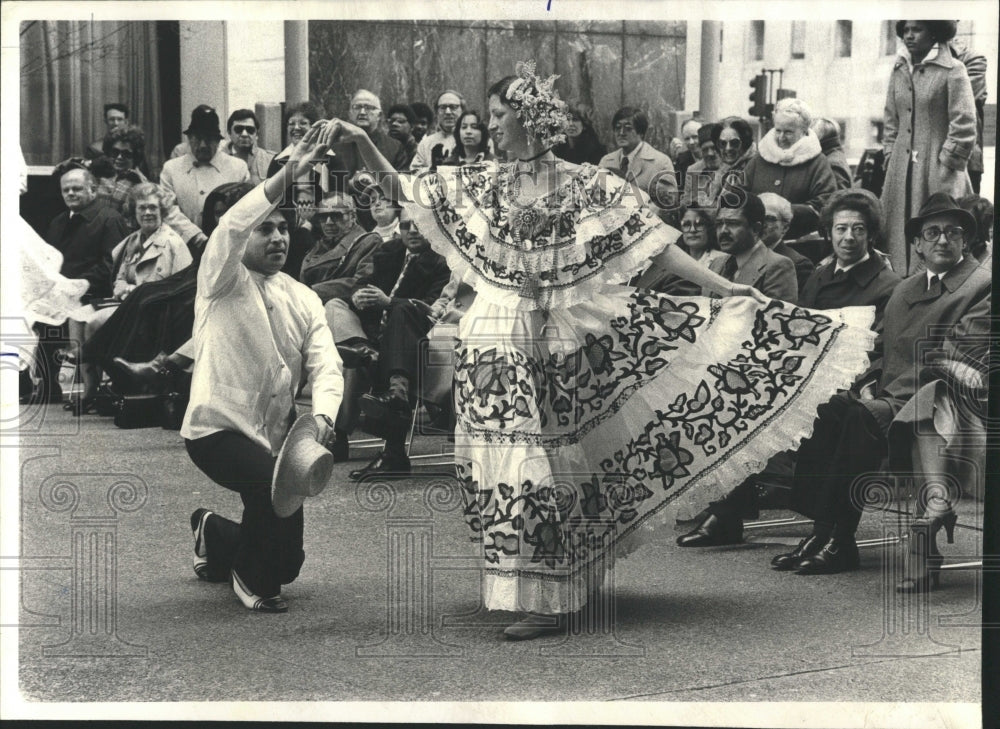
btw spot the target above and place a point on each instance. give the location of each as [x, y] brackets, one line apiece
[383, 466]
[693, 522]
[791, 560]
[713, 532]
[361, 354]
[839, 554]
[140, 375]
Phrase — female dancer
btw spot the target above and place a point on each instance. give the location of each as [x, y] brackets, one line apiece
[586, 407]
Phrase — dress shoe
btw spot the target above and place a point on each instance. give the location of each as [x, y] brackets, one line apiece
[140, 374]
[693, 522]
[256, 603]
[714, 532]
[383, 466]
[361, 354]
[198, 521]
[807, 548]
[839, 554]
[535, 626]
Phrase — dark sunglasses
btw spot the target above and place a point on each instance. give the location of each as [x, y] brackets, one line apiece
[122, 153]
[734, 143]
[240, 128]
[332, 215]
[405, 224]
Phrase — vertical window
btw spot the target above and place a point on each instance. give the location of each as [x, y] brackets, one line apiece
[756, 40]
[798, 39]
[888, 37]
[842, 45]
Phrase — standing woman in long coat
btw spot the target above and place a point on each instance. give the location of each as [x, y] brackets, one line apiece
[930, 129]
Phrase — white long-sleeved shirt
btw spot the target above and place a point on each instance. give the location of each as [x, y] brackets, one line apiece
[254, 337]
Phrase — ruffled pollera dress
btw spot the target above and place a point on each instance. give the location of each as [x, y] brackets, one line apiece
[589, 412]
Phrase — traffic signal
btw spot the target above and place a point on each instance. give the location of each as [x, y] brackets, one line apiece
[759, 96]
[785, 94]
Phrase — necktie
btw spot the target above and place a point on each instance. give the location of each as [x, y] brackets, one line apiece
[932, 283]
[839, 274]
[625, 166]
[402, 272]
[729, 270]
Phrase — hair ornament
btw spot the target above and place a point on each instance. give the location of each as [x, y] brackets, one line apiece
[538, 106]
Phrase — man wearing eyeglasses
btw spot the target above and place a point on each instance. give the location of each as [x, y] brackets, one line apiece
[243, 128]
[366, 112]
[331, 266]
[647, 168]
[383, 321]
[942, 313]
[437, 145]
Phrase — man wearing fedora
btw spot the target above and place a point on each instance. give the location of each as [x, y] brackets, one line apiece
[202, 169]
[941, 312]
[257, 334]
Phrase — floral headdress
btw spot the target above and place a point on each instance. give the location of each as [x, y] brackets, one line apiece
[538, 106]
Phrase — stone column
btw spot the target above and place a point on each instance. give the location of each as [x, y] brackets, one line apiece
[296, 61]
[708, 103]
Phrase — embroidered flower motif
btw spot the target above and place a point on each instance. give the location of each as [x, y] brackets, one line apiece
[671, 460]
[623, 496]
[547, 539]
[492, 375]
[802, 327]
[731, 380]
[600, 353]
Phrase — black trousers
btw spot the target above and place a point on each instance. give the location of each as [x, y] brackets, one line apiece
[265, 550]
[847, 442]
[399, 350]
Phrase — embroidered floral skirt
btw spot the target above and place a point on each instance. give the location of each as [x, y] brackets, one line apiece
[581, 429]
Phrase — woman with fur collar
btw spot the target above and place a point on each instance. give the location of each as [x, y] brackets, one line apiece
[790, 162]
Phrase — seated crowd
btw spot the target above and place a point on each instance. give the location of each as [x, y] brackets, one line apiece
[739, 203]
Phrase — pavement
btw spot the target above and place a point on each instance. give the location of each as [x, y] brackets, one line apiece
[387, 605]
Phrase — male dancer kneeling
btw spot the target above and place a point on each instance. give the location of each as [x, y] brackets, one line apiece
[256, 331]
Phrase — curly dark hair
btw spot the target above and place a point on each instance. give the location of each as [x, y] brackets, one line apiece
[860, 201]
[941, 31]
[403, 109]
[131, 135]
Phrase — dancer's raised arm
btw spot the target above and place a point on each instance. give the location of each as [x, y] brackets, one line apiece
[385, 173]
[675, 260]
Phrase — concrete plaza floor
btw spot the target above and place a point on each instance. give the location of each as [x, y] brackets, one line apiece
[386, 607]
